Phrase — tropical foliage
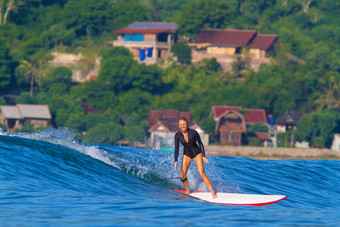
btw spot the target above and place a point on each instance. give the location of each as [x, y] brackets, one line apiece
[304, 73]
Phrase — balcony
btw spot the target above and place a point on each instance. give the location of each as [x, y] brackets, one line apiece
[141, 43]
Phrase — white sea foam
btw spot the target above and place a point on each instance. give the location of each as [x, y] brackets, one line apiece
[63, 137]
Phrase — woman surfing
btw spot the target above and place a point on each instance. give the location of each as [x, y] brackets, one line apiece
[193, 149]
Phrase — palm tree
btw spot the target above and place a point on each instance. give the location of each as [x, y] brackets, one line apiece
[6, 6]
[31, 71]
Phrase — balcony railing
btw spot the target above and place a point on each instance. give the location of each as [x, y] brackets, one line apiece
[141, 43]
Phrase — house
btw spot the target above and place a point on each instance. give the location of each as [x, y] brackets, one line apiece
[264, 138]
[336, 142]
[232, 121]
[15, 116]
[288, 120]
[164, 125]
[226, 44]
[148, 41]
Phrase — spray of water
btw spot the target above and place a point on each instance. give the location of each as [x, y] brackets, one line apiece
[155, 165]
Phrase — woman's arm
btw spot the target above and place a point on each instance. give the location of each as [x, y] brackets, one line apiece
[176, 147]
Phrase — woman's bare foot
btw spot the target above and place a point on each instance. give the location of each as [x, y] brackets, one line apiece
[214, 196]
[187, 192]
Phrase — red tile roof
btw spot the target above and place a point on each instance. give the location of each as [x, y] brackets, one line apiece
[166, 118]
[219, 110]
[225, 37]
[262, 135]
[170, 125]
[263, 42]
[255, 115]
[250, 115]
[144, 31]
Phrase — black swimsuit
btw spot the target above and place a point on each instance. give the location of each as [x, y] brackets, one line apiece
[191, 149]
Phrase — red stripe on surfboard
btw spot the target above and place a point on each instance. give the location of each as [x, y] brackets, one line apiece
[236, 204]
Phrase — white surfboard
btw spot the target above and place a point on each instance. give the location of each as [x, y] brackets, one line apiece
[236, 199]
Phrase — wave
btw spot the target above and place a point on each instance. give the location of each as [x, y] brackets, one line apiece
[52, 161]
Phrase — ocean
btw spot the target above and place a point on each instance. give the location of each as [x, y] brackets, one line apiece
[48, 179]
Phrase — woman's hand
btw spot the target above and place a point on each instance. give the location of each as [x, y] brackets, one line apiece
[175, 166]
[205, 160]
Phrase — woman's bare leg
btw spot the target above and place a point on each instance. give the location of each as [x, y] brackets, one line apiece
[184, 171]
[200, 167]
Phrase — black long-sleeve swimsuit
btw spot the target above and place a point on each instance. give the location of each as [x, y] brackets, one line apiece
[192, 148]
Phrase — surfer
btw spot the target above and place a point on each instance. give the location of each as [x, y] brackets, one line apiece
[193, 149]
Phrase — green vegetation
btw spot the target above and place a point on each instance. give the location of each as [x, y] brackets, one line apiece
[308, 30]
[182, 52]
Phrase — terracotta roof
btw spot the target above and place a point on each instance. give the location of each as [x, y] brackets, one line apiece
[262, 135]
[144, 31]
[255, 115]
[217, 111]
[250, 115]
[225, 37]
[231, 114]
[166, 118]
[173, 115]
[263, 42]
[168, 125]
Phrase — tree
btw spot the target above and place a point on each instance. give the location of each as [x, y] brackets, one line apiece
[122, 73]
[257, 127]
[116, 67]
[30, 71]
[197, 14]
[125, 12]
[60, 77]
[104, 133]
[7, 65]
[95, 93]
[182, 52]
[311, 127]
[6, 6]
[90, 17]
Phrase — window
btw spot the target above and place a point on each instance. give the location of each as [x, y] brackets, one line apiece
[134, 37]
[137, 37]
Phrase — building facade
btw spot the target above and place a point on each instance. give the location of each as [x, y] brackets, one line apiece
[149, 42]
[288, 120]
[164, 125]
[14, 117]
[232, 121]
[226, 45]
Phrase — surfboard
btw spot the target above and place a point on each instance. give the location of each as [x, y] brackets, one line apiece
[236, 199]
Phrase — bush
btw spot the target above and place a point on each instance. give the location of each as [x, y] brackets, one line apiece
[254, 141]
[182, 52]
[3, 127]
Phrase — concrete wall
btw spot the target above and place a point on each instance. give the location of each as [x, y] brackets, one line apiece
[246, 151]
[336, 142]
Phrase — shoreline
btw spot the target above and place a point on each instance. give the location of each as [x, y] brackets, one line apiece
[275, 153]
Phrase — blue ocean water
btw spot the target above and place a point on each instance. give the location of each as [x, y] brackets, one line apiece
[47, 179]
